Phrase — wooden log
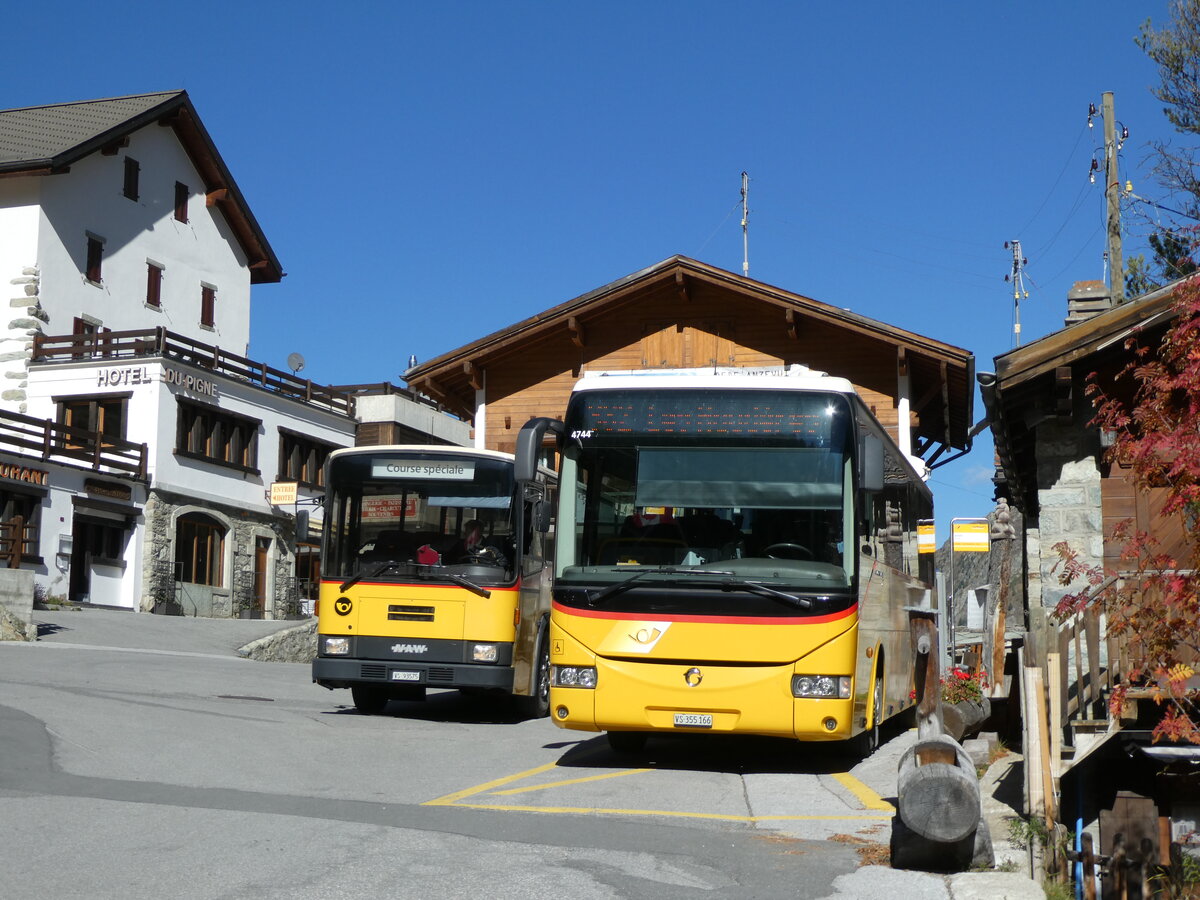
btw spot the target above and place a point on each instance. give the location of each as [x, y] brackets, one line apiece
[938, 801]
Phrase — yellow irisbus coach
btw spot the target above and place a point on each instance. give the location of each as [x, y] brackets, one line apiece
[433, 575]
[735, 552]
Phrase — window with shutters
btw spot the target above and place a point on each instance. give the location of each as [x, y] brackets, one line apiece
[208, 305]
[95, 259]
[181, 201]
[154, 276]
[213, 435]
[132, 171]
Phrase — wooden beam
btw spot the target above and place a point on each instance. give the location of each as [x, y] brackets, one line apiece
[681, 287]
[945, 376]
[901, 361]
[789, 316]
[474, 374]
[111, 149]
[216, 196]
[576, 329]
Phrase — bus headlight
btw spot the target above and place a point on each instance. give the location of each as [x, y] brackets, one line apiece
[825, 687]
[485, 653]
[573, 676]
[336, 646]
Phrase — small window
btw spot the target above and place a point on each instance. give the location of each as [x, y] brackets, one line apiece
[89, 418]
[181, 201]
[200, 549]
[206, 433]
[154, 276]
[132, 170]
[208, 305]
[95, 256]
[302, 459]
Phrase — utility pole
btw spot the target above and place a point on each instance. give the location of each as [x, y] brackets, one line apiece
[745, 226]
[1112, 194]
[1018, 283]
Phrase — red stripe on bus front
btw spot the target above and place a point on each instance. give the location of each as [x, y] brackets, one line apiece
[713, 620]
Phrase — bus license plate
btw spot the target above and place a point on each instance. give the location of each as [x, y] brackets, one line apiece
[406, 676]
[693, 720]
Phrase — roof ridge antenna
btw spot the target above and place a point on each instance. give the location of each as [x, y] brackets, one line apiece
[745, 226]
[1018, 282]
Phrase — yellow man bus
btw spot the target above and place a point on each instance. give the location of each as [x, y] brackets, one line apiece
[433, 576]
[734, 554]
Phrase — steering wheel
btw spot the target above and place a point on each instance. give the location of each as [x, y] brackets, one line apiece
[488, 555]
[791, 551]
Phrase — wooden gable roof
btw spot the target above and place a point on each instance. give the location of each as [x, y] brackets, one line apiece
[1045, 380]
[46, 140]
[614, 325]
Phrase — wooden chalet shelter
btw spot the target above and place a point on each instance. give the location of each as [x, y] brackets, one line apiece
[1095, 768]
[681, 313]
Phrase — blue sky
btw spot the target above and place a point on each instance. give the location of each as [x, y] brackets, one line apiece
[431, 172]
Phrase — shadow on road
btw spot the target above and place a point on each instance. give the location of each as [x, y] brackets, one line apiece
[445, 706]
[730, 753]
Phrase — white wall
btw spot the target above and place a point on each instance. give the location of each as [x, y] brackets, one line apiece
[89, 198]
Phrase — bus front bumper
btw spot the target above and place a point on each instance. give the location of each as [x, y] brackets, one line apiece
[344, 673]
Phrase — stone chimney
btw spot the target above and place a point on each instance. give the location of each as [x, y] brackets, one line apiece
[1087, 299]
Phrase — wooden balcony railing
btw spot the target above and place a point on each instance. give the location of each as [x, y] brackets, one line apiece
[123, 346]
[76, 447]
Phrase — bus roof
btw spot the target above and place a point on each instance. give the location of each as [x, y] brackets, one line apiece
[448, 449]
[790, 378]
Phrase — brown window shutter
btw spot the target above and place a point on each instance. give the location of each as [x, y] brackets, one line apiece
[181, 201]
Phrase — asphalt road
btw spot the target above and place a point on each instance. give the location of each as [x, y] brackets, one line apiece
[141, 757]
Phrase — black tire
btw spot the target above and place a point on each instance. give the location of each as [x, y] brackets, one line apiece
[626, 742]
[368, 699]
[537, 704]
[868, 741]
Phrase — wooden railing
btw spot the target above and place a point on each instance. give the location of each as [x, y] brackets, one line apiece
[122, 346]
[76, 447]
[1082, 664]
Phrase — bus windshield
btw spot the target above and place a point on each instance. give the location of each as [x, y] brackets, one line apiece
[391, 514]
[743, 492]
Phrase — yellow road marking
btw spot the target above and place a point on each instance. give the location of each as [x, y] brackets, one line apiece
[865, 795]
[723, 817]
[554, 784]
[452, 799]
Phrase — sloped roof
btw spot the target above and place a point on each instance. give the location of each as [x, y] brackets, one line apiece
[46, 140]
[1041, 380]
[944, 373]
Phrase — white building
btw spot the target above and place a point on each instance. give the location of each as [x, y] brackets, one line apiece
[138, 444]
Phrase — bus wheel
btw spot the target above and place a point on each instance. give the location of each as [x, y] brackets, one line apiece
[626, 742]
[369, 700]
[537, 704]
[868, 741]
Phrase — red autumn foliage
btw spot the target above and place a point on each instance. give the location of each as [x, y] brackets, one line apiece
[1152, 410]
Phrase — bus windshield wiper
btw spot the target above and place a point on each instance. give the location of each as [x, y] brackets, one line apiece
[621, 587]
[459, 580]
[363, 573]
[757, 587]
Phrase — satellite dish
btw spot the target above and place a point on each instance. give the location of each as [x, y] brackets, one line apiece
[295, 362]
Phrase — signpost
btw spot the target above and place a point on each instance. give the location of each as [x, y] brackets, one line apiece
[966, 536]
[284, 492]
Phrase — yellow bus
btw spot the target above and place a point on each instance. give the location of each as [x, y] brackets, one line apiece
[735, 552]
[433, 575]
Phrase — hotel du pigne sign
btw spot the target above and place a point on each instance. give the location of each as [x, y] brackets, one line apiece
[131, 376]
